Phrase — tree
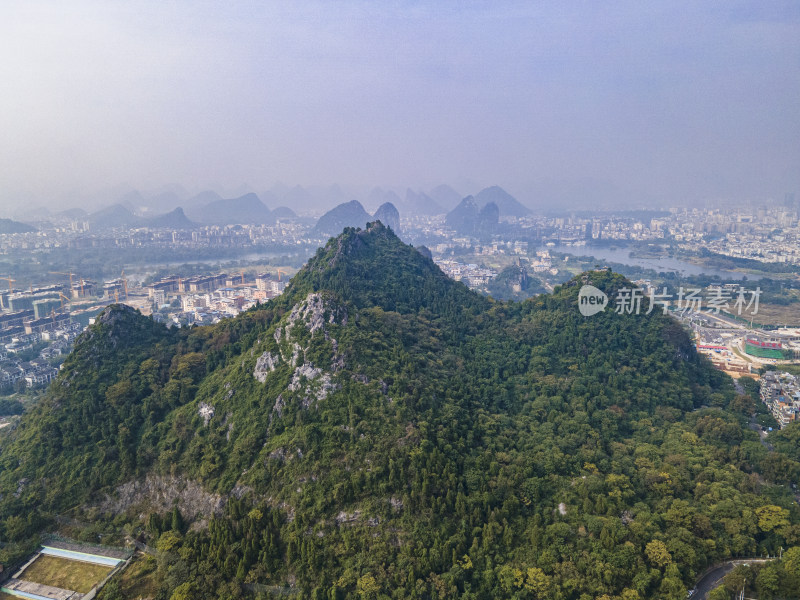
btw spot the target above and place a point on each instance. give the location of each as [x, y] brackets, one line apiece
[112, 591]
[791, 561]
[737, 579]
[168, 541]
[176, 520]
[184, 591]
[768, 582]
[657, 553]
[15, 527]
[771, 517]
[537, 582]
[671, 586]
[719, 593]
[367, 587]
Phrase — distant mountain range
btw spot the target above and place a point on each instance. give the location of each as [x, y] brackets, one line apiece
[445, 196]
[507, 204]
[284, 213]
[353, 214]
[73, 213]
[419, 203]
[378, 196]
[202, 199]
[347, 214]
[116, 216]
[9, 226]
[480, 215]
[464, 216]
[245, 210]
[172, 220]
[135, 209]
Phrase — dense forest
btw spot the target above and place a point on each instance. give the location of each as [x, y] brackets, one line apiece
[380, 431]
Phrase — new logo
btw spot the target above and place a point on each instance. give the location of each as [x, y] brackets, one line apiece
[591, 300]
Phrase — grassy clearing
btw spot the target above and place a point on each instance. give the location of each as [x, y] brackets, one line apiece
[775, 314]
[65, 574]
[138, 580]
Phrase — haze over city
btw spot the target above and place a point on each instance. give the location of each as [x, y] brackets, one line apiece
[579, 103]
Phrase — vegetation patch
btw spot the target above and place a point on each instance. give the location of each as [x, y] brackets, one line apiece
[137, 581]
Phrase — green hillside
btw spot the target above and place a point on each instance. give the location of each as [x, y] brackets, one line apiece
[380, 431]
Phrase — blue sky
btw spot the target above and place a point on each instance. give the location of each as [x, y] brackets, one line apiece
[660, 101]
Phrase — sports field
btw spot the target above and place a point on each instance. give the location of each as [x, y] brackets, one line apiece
[65, 574]
[764, 352]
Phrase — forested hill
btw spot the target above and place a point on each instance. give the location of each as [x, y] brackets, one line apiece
[380, 431]
[372, 268]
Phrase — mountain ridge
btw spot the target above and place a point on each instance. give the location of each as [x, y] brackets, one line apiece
[11, 226]
[380, 428]
[507, 204]
[247, 209]
[175, 219]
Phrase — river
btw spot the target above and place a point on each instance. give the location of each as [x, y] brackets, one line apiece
[661, 264]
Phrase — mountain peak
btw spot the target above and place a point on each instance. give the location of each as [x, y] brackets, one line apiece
[175, 219]
[117, 328]
[247, 209]
[114, 216]
[463, 217]
[445, 196]
[507, 204]
[388, 214]
[347, 214]
[422, 204]
[373, 267]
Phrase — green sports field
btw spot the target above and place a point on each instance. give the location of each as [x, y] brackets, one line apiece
[764, 352]
[65, 574]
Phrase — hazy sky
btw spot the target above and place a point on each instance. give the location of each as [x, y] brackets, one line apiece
[673, 100]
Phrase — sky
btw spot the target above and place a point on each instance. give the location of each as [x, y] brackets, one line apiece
[658, 102]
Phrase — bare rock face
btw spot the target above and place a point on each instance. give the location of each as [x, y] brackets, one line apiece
[314, 314]
[265, 365]
[310, 313]
[280, 404]
[345, 518]
[206, 411]
[316, 383]
[160, 493]
[296, 350]
[307, 371]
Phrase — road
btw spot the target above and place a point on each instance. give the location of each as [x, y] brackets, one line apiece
[713, 578]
